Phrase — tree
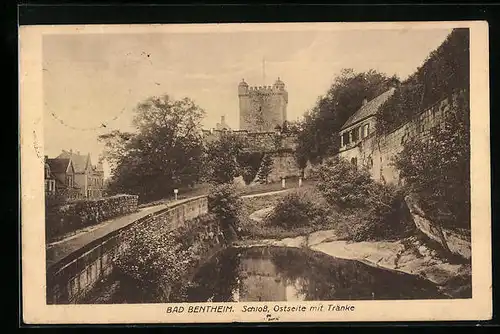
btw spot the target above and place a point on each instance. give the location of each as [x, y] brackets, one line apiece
[226, 205]
[162, 154]
[265, 169]
[220, 158]
[318, 135]
[438, 169]
[445, 70]
[249, 163]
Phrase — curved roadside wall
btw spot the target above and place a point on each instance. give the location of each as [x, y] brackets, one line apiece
[71, 279]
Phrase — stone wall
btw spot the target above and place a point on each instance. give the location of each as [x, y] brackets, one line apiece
[256, 141]
[377, 152]
[284, 165]
[279, 146]
[72, 278]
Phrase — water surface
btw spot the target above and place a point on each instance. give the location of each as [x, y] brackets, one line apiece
[272, 273]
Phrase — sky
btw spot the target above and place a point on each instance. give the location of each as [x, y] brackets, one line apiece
[95, 79]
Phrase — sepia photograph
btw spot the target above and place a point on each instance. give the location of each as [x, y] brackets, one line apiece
[255, 172]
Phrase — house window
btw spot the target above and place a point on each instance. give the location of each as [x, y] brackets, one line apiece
[355, 134]
[345, 138]
[366, 128]
[370, 162]
[50, 186]
[354, 161]
[69, 181]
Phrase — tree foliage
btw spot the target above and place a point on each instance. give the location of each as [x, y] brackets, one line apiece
[220, 158]
[162, 154]
[227, 157]
[249, 163]
[444, 71]
[318, 131]
[438, 168]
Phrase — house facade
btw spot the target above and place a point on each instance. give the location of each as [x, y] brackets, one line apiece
[361, 125]
[362, 146]
[74, 174]
[60, 178]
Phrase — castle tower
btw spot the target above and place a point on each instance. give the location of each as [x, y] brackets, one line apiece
[262, 108]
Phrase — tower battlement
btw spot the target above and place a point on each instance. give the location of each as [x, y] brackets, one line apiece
[264, 90]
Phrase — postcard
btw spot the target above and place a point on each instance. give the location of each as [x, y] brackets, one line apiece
[263, 172]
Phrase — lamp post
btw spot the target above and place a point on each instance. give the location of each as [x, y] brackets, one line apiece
[176, 191]
[283, 182]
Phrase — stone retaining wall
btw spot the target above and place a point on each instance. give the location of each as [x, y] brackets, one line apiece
[72, 278]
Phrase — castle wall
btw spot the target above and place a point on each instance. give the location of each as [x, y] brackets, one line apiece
[378, 152]
[284, 165]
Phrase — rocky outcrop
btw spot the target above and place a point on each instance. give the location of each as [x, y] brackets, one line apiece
[452, 241]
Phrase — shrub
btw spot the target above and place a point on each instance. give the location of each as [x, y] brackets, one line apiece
[343, 185]
[385, 217]
[226, 205]
[376, 210]
[299, 208]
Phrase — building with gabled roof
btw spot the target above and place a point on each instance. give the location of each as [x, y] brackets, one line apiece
[88, 178]
[363, 122]
[60, 178]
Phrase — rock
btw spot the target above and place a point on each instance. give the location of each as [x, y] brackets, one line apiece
[322, 236]
[381, 253]
[394, 255]
[292, 242]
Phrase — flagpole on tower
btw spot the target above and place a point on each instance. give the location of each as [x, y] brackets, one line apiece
[264, 71]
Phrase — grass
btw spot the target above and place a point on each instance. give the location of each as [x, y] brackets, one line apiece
[251, 230]
[202, 189]
[256, 203]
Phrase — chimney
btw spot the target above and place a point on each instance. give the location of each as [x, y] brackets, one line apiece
[222, 119]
